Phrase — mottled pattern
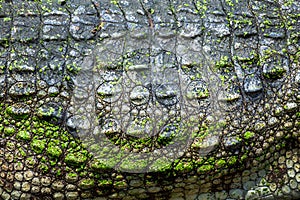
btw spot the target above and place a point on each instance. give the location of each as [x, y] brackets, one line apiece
[225, 70]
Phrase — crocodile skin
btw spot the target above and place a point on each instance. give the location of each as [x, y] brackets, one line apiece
[149, 99]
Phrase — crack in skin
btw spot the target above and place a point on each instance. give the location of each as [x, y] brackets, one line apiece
[237, 69]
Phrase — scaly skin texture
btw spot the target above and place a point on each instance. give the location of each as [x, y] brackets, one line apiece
[239, 60]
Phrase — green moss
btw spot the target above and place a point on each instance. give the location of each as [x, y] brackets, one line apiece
[200, 94]
[224, 62]
[27, 123]
[18, 124]
[30, 161]
[104, 183]
[41, 131]
[161, 165]
[53, 150]
[205, 168]
[38, 145]
[49, 134]
[10, 145]
[86, 184]
[211, 160]
[9, 131]
[230, 2]
[232, 160]
[6, 122]
[114, 2]
[9, 111]
[24, 135]
[58, 172]
[244, 157]
[22, 152]
[43, 167]
[73, 144]
[98, 166]
[120, 184]
[7, 19]
[72, 176]
[73, 68]
[221, 163]
[248, 135]
[133, 164]
[53, 162]
[75, 159]
[44, 159]
[184, 166]
[201, 7]
[276, 72]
